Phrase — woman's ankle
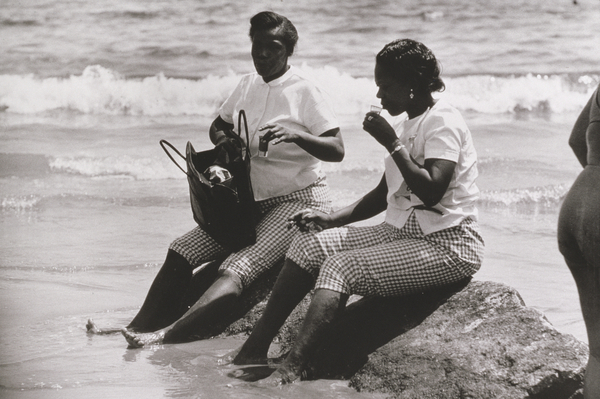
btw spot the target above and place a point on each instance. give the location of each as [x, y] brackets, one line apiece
[250, 353]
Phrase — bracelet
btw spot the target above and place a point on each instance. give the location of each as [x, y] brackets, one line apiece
[397, 146]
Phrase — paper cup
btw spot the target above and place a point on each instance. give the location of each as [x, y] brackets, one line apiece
[376, 108]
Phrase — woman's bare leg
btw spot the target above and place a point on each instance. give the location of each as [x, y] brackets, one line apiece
[292, 285]
[161, 306]
[578, 240]
[163, 301]
[324, 310]
[216, 302]
[588, 286]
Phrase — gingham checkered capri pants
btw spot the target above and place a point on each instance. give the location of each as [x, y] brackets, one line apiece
[273, 238]
[383, 260]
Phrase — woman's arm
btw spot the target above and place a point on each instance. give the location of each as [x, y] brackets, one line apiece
[328, 146]
[577, 140]
[592, 135]
[371, 204]
[429, 182]
[368, 206]
[217, 130]
[593, 143]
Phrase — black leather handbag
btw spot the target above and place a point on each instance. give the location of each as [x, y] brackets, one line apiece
[225, 209]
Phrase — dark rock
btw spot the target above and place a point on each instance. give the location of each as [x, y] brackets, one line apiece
[468, 340]
[482, 343]
[367, 324]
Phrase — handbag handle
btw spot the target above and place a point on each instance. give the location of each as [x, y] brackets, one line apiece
[241, 115]
[164, 143]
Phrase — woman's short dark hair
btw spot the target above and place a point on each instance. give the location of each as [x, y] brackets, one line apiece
[268, 20]
[411, 62]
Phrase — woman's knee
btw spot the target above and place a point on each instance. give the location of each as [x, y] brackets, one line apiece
[197, 247]
[233, 279]
[305, 251]
[174, 256]
[304, 240]
[338, 274]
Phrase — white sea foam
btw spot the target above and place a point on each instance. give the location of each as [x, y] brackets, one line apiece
[122, 167]
[512, 94]
[147, 168]
[20, 203]
[99, 90]
[546, 196]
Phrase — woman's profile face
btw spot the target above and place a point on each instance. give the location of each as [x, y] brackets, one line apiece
[394, 95]
[269, 54]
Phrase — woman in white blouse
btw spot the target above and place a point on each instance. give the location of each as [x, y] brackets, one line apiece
[430, 235]
[295, 118]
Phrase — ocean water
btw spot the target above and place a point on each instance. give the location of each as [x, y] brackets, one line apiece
[89, 202]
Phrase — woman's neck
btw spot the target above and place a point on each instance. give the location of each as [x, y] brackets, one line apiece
[420, 106]
[278, 74]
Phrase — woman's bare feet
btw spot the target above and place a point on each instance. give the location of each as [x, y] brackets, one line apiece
[282, 376]
[92, 328]
[139, 340]
[228, 358]
[245, 357]
[241, 357]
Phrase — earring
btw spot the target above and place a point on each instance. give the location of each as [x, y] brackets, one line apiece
[412, 95]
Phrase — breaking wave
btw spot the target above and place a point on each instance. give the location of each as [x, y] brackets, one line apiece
[99, 90]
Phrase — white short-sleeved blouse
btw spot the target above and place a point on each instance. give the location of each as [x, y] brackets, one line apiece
[297, 103]
[441, 133]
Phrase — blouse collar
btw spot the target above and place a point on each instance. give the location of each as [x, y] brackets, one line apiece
[288, 74]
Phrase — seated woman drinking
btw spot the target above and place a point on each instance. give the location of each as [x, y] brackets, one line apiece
[430, 236]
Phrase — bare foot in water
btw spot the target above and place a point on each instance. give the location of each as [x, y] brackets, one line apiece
[240, 357]
[281, 376]
[228, 358]
[139, 340]
[92, 328]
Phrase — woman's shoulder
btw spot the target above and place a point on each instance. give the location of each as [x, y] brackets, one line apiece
[304, 79]
[305, 85]
[443, 108]
[301, 75]
[250, 78]
[445, 114]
